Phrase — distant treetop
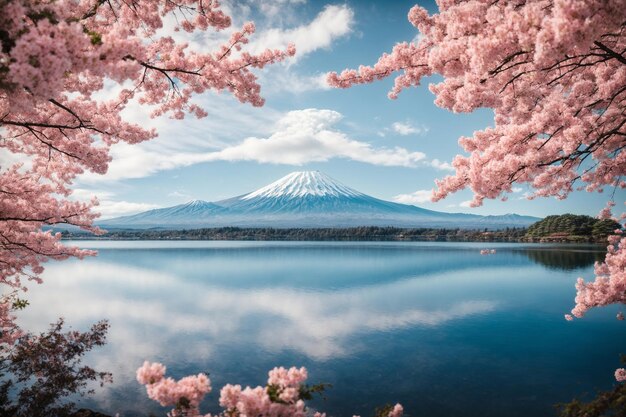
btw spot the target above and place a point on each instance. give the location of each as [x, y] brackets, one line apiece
[572, 226]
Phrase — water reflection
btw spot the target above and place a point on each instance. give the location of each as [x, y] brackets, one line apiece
[382, 322]
[315, 323]
[567, 258]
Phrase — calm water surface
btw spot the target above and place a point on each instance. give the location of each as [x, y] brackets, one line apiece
[437, 327]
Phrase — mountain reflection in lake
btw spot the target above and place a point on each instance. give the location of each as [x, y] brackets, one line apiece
[437, 327]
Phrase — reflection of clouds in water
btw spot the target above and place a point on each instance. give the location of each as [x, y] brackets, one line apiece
[163, 307]
[161, 316]
[326, 336]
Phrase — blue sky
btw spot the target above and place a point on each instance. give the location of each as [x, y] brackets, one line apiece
[390, 149]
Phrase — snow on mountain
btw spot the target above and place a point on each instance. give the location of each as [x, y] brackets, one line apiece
[308, 199]
[302, 184]
[312, 192]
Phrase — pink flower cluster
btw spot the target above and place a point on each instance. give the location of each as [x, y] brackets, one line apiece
[609, 286]
[554, 72]
[185, 395]
[279, 398]
[487, 251]
[54, 57]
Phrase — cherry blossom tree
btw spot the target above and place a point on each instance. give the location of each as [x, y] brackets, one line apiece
[55, 56]
[554, 73]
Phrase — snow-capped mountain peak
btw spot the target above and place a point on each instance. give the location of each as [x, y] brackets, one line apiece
[302, 184]
[196, 203]
[307, 199]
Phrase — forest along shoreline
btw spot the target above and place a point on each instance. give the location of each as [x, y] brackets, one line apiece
[567, 228]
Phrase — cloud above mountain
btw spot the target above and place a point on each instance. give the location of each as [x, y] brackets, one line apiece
[311, 135]
[108, 206]
[298, 137]
[417, 197]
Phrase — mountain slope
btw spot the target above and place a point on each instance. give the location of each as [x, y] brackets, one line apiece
[308, 199]
[197, 210]
[313, 192]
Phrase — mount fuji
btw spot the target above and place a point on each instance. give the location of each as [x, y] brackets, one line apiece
[307, 199]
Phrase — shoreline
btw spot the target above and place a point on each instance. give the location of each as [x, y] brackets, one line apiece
[354, 234]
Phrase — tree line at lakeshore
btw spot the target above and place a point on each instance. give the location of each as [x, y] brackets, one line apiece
[562, 228]
[572, 228]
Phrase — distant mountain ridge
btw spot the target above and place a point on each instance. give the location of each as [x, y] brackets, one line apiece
[307, 199]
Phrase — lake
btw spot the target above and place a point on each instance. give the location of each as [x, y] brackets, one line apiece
[434, 326]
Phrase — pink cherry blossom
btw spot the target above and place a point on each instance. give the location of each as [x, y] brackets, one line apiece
[553, 73]
[397, 411]
[609, 286]
[279, 398]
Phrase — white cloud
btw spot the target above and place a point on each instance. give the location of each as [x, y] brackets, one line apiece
[407, 128]
[466, 204]
[333, 22]
[403, 128]
[283, 79]
[418, 37]
[107, 207]
[136, 161]
[299, 137]
[8, 158]
[180, 195]
[527, 195]
[308, 135]
[82, 194]
[442, 166]
[273, 8]
[417, 197]
[517, 190]
[227, 120]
